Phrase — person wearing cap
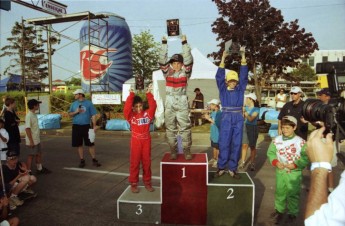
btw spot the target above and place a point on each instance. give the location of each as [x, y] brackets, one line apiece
[198, 103]
[177, 72]
[214, 119]
[18, 176]
[294, 108]
[231, 91]
[325, 96]
[250, 132]
[32, 137]
[83, 112]
[12, 125]
[287, 153]
[280, 99]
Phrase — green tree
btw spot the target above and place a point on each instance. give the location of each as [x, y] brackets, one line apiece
[271, 44]
[145, 54]
[303, 72]
[74, 81]
[27, 57]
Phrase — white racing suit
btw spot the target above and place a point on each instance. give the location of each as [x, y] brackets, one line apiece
[177, 119]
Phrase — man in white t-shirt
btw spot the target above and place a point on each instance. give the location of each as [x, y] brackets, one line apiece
[280, 99]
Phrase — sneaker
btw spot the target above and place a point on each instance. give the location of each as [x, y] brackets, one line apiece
[82, 163]
[43, 171]
[215, 164]
[96, 163]
[12, 206]
[276, 217]
[29, 191]
[134, 188]
[252, 167]
[242, 164]
[234, 174]
[188, 156]
[16, 201]
[220, 172]
[149, 187]
[173, 156]
[291, 219]
[211, 161]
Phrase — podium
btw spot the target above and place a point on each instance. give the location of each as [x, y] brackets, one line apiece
[189, 194]
[184, 190]
[230, 201]
[144, 207]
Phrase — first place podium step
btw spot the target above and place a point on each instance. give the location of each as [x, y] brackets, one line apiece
[184, 190]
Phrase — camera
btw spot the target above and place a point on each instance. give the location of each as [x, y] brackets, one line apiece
[331, 114]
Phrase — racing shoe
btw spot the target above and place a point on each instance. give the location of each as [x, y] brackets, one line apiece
[134, 188]
[149, 187]
[219, 173]
[276, 217]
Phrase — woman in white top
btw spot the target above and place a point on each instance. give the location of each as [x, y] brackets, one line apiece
[280, 99]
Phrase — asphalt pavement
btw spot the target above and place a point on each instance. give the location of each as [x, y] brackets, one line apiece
[88, 196]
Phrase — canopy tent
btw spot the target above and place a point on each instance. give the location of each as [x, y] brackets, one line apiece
[13, 82]
[203, 77]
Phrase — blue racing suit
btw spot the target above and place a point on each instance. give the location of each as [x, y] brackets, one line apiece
[230, 135]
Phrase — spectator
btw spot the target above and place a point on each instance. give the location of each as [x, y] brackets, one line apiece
[321, 211]
[11, 125]
[5, 219]
[251, 115]
[33, 139]
[214, 119]
[3, 140]
[287, 154]
[176, 72]
[231, 91]
[294, 108]
[18, 176]
[83, 112]
[198, 103]
[3, 107]
[280, 99]
[325, 96]
[140, 120]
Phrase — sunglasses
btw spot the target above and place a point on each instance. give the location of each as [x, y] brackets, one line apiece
[12, 158]
[293, 93]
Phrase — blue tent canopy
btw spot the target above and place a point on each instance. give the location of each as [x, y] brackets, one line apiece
[15, 81]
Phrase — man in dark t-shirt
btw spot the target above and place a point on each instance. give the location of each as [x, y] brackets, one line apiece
[198, 103]
[294, 108]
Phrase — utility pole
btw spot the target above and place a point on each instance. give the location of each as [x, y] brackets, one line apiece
[22, 58]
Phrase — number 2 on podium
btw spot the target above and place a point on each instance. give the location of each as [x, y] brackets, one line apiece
[231, 192]
[183, 172]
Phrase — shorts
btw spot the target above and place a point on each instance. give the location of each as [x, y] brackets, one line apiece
[80, 134]
[214, 145]
[252, 133]
[244, 135]
[33, 150]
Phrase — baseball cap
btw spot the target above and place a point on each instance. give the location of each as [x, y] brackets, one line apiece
[11, 154]
[176, 58]
[291, 119]
[251, 95]
[324, 91]
[231, 75]
[296, 89]
[196, 89]
[79, 91]
[214, 101]
[32, 103]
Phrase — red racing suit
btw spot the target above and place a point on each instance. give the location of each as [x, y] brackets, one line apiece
[140, 139]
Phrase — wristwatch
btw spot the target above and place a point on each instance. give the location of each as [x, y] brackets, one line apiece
[325, 165]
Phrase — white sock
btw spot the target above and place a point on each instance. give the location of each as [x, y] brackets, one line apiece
[39, 166]
[330, 189]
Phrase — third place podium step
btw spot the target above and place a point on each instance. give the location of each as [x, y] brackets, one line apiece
[184, 190]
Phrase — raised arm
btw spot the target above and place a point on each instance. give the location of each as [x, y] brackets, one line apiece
[187, 56]
[220, 76]
[127, 111]
[243, 70]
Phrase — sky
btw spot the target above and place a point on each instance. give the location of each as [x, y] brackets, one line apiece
[323, 18]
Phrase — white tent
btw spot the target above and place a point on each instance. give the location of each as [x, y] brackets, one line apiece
[203, 77]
